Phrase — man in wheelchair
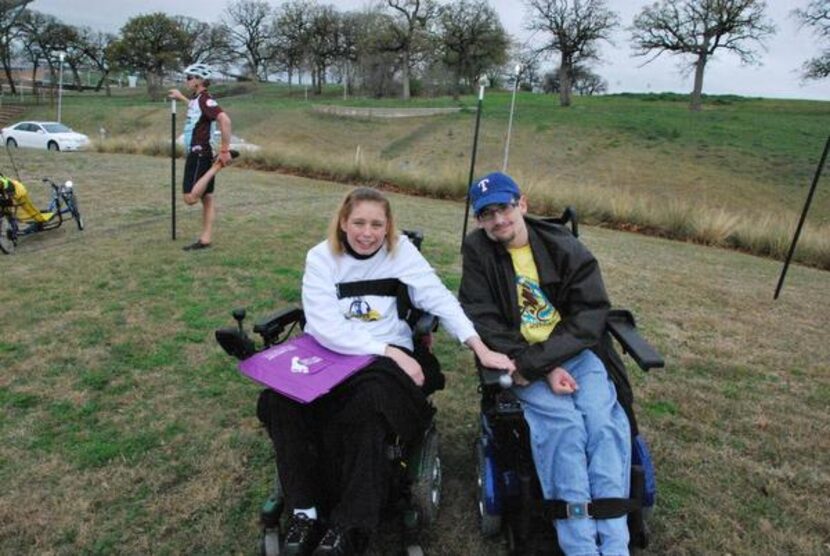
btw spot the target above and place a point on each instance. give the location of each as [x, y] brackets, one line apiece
[536, 294]
[330, 452]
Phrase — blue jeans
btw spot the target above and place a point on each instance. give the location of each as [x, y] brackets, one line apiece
[581, 446]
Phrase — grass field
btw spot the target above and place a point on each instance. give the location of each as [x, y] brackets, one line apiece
[125, 429]
[734, 175]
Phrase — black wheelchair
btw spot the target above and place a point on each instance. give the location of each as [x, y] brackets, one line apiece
[510, 499]
[415, 489]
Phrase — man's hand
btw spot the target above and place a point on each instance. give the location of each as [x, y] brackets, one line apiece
[561, 381]
[407, 363]
[175, 94]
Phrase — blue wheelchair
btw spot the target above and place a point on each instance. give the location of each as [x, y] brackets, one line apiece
[414, 492]
[19, 216]
[510, 499]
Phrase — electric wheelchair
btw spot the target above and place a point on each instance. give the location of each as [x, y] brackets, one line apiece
[510, 499]
[415, 479]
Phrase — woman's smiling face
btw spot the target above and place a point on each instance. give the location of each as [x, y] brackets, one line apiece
[365, 227]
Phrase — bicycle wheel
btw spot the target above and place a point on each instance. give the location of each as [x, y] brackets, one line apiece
[72, 203]
[7, 239]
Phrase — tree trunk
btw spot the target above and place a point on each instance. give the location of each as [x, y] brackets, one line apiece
[34, 80]
[8, 70]
[700, 65]
[76, 77]
[154, 85]
[565, 82]
[405, 75]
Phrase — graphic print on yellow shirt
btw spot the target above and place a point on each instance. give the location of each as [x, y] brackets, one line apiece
[539, 316]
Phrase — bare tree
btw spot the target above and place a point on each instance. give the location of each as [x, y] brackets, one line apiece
[323, 43]
[290, 29]
[700, 28]
[249, 31]
[207, 43]
[817, 16]
[376, 64]
[572, 28]
[583, 80]
[41, 38]
[408, 33]
[472, 38]
[95, 49]
[10, 11]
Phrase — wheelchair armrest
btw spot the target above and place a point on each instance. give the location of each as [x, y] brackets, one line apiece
[415, 236]
[622, 326]
[271, 326]
[427, 323]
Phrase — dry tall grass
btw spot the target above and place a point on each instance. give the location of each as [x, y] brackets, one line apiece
[612, 205]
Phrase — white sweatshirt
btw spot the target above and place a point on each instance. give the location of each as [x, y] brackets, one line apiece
[367, 324]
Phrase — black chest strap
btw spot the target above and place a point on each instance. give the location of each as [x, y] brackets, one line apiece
[386, 287]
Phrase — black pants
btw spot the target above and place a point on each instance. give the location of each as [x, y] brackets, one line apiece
[331, 452]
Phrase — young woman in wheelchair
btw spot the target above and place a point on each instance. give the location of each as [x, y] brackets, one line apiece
[330, 452]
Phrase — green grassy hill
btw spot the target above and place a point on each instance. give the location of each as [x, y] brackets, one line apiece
[125, 429]
[735, 175]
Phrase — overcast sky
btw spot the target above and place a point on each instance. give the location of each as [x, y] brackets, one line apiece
[777, 77]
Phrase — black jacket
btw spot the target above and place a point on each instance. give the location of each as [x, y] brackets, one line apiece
[570, 277]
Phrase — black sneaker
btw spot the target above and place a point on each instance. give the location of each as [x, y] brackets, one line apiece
[334, 543]
[301, 535]
[195, 246]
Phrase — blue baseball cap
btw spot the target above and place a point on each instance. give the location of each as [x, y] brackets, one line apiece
[493, 189]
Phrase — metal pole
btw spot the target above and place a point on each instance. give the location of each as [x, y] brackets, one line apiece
[60, 86]
[173, 167]
[803, 217]
[472, 160]
[510, 120]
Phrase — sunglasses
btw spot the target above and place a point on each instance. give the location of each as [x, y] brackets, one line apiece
[189, 77]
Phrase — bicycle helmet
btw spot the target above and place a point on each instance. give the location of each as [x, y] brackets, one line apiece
[201, 71]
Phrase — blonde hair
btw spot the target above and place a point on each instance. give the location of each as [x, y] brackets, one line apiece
[337, 237]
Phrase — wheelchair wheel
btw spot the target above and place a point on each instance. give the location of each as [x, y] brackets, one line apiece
[7, 240]
[490, 524]
[426, 492]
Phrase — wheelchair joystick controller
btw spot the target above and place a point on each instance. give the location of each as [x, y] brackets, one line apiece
[505, 381]
[239, 316]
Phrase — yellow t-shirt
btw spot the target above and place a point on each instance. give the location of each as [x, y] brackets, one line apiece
[539, 316]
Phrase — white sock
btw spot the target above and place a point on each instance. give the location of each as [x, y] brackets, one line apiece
[310, 513]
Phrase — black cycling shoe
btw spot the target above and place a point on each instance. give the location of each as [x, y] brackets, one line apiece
[301, 535]
[334, 543]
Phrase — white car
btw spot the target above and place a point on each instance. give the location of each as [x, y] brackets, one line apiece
[44, 135]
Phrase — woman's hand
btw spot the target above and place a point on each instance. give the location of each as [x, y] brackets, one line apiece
[407, 363]
[489, 358]
[495, 360]
[561, 381]
[175, 94]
